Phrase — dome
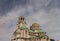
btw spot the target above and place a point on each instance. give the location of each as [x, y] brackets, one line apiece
[35, 26]
[23, 27]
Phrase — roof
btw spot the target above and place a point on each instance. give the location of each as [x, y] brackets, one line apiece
[24, 26]
[31, 31]
[40, 30]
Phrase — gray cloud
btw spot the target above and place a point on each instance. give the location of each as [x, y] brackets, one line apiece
[8, 5]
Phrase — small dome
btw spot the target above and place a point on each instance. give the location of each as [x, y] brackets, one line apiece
[35, 25]
[23, 27]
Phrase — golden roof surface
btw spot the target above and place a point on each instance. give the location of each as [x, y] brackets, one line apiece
[35, 25]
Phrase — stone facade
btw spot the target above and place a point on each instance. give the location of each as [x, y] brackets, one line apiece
[22, 33]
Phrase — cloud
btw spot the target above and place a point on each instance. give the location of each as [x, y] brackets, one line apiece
[8, 5]
[40, 11]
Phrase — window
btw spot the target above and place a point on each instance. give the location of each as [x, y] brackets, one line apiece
[25, 32]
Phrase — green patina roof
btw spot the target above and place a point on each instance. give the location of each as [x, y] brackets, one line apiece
[24, 26]
[31, 31]
[40, 30]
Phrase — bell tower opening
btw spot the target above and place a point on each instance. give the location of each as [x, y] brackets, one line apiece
[22, 18]
[21, 21]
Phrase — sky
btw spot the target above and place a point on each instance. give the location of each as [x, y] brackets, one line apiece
[44, 12]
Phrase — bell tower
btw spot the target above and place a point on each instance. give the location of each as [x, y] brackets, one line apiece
[19, 32]
[21, 21]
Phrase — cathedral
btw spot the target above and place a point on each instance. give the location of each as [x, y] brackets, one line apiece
[32, 33]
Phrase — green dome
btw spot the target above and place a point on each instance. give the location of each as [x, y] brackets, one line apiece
[24, 26]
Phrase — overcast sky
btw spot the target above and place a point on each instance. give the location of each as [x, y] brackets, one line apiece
[44, 12]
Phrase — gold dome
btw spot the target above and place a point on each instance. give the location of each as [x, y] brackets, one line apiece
[35, 25]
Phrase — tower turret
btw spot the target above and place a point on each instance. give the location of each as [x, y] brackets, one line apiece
[21, 21]
[21, 30]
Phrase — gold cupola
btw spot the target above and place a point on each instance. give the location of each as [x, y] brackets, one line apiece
[35, 26]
